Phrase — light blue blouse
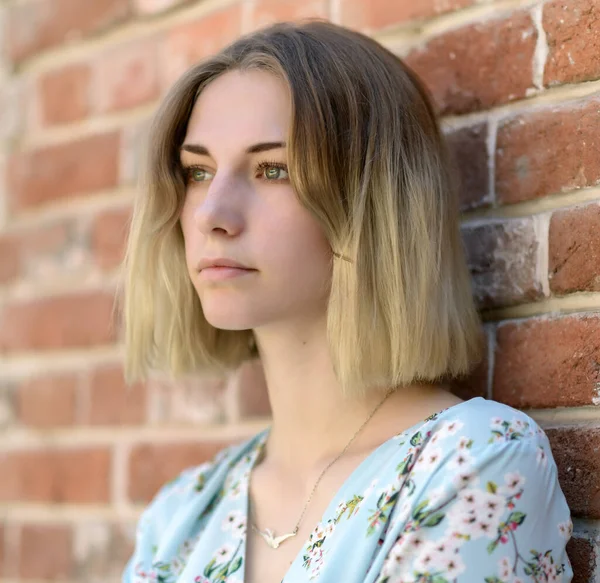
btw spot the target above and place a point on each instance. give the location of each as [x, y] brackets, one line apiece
[468, 495]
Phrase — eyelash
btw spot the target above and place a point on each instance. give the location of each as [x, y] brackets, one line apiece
[187, 170]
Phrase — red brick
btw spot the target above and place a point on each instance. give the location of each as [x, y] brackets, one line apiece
[126, 76]
[583, 559]
[67, 321]
[378, 14]
[155, 6]
[478, 66]
[575, 450]
[64, 94]
[543, 363]
[549, 150]
[9, 259]
[74, 476]
[65, 170]
[48, 401]
[502, 258]
[111, 401]
[36, 25]
[575, 250]
[189, 43]
[573, 41]
[153, 465]
[265, 12]
[109, 237]
[469, 148]
[45, 552]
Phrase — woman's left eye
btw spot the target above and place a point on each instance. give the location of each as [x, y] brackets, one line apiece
[273, 170]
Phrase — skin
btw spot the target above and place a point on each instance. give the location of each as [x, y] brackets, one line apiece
[253, 216]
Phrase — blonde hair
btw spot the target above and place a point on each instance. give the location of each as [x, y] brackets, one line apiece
[366, 156]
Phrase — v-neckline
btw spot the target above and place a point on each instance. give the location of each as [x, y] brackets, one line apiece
[259, 444]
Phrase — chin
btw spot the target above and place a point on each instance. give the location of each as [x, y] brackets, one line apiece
[227, 317]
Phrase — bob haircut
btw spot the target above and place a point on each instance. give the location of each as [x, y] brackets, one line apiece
[367, 158]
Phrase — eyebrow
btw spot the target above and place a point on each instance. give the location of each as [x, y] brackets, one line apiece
[261, 147]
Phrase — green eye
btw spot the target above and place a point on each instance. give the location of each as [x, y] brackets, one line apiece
[272, 171]
[197, 174]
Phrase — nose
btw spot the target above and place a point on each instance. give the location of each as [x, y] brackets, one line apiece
[220, 209]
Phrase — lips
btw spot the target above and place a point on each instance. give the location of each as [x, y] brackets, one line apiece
[221, 262]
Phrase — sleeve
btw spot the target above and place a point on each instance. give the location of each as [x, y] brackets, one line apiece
[154, 523]
[147, 532]
[498, 516]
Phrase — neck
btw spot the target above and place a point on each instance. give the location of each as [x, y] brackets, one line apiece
[312, 421]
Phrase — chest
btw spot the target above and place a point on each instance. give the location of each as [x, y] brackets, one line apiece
[278, 506]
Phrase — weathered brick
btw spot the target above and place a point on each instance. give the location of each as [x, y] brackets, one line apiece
[379, 14]
[14, 93]
[111, 401]
[549, 150]
[543, 363]
[575, 450]
[38, 24]
[74, 476]
[9, 259]
[583, 559]
[109, 235]
[494, 66]
[189, 43]
[102, 550]
[64, 94]
[153, 465]
[65, 170]
[45, 552]
[502, 258]
[134, 147]
[575, 250]
[196, 400]
[48, 401]
[265, 12]
[155, 6]
[571, 28]
[67, 321]
[469, 148]
[126, 75]
[51, 250]
[8, 391]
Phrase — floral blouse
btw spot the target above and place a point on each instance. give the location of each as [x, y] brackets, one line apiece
[467, 495]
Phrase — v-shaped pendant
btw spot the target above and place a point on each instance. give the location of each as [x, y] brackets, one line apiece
[274, 541]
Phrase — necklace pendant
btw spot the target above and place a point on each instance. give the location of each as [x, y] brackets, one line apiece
[274, 541]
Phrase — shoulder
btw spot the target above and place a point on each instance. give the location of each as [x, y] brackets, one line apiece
[479, 436]
[486, 422]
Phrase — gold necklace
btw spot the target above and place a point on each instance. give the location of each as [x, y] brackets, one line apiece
[268, 535]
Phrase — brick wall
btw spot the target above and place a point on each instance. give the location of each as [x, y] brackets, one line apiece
[517, 83]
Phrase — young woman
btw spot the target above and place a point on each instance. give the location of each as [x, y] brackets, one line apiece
[299, 204]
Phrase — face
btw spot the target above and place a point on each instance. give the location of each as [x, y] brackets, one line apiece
[240, 207]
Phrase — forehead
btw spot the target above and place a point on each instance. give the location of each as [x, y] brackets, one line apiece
[244, 106]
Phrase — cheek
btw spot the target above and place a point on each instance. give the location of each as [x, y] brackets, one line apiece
[299, 248]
